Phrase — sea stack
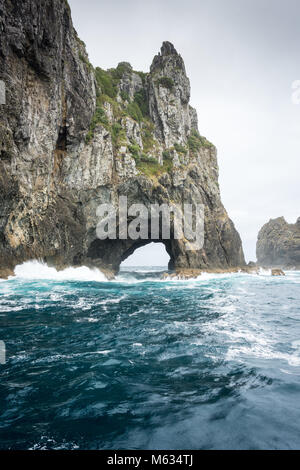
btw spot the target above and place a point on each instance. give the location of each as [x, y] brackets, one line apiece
[278, 244]
[73, 137]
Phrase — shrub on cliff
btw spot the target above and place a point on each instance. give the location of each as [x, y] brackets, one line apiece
[180, 148]
[107, 84]
[196, 141]
[141, 99]
[122, 68]
[166, 82]
[134, 111]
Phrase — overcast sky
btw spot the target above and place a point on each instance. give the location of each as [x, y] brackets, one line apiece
[242, 57]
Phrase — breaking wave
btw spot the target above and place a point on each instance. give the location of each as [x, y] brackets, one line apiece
[38, 270]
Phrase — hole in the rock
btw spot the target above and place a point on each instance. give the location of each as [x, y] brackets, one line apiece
[154, 254]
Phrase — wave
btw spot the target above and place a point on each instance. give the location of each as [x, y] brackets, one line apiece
[37, 270]
[32, 270]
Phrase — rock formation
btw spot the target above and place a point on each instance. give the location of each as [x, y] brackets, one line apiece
[73, 137]
[277, 272]
[278, 244]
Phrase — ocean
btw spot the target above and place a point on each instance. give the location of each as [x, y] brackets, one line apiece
[141, 363]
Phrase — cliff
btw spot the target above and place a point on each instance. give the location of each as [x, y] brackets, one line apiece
[73, 137]
[278, 244]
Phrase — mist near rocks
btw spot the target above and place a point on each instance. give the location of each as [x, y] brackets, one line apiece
[242, 58]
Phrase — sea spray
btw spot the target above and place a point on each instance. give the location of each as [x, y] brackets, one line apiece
[40, 270]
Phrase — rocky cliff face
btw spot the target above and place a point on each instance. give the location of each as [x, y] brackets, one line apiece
[278, 244]
[73, 137]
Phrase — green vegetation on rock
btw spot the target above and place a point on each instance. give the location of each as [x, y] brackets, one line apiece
[196, 142]
[180, 148]
[139, 156]
[138, 109]
[134, 111]
[148, 135]
[68, 6]
[141, 99]
[107, 91]
[124, 96]
[166, 82]
[123, 67]
[98, 118]
[143, 76]
[83, 56]
[86, 61]
[118, 135]
[151, 167]
[107, 84]
[135, 150]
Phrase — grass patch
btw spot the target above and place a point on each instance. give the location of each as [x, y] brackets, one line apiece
[148, 165]
[151, 167]
[139, 156]
[135, 151]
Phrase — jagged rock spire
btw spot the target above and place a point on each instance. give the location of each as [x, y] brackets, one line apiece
[167, 48]
[168, 58]
[169, 96]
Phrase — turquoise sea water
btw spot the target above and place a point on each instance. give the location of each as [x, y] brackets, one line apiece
[140, 363]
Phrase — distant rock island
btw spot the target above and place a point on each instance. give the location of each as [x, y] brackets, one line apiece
[73, 137]
[278, 244]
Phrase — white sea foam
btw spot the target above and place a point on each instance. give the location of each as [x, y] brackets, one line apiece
[265, 272]
[38, 270]
[60, 357]
[112, 301]
[263, 352]
[206, 277]
[213, 276]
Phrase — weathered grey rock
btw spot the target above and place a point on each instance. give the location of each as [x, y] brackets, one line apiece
[132, 130]
[57, 165]
[130, 82]
[278, 244]
[169, 95]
